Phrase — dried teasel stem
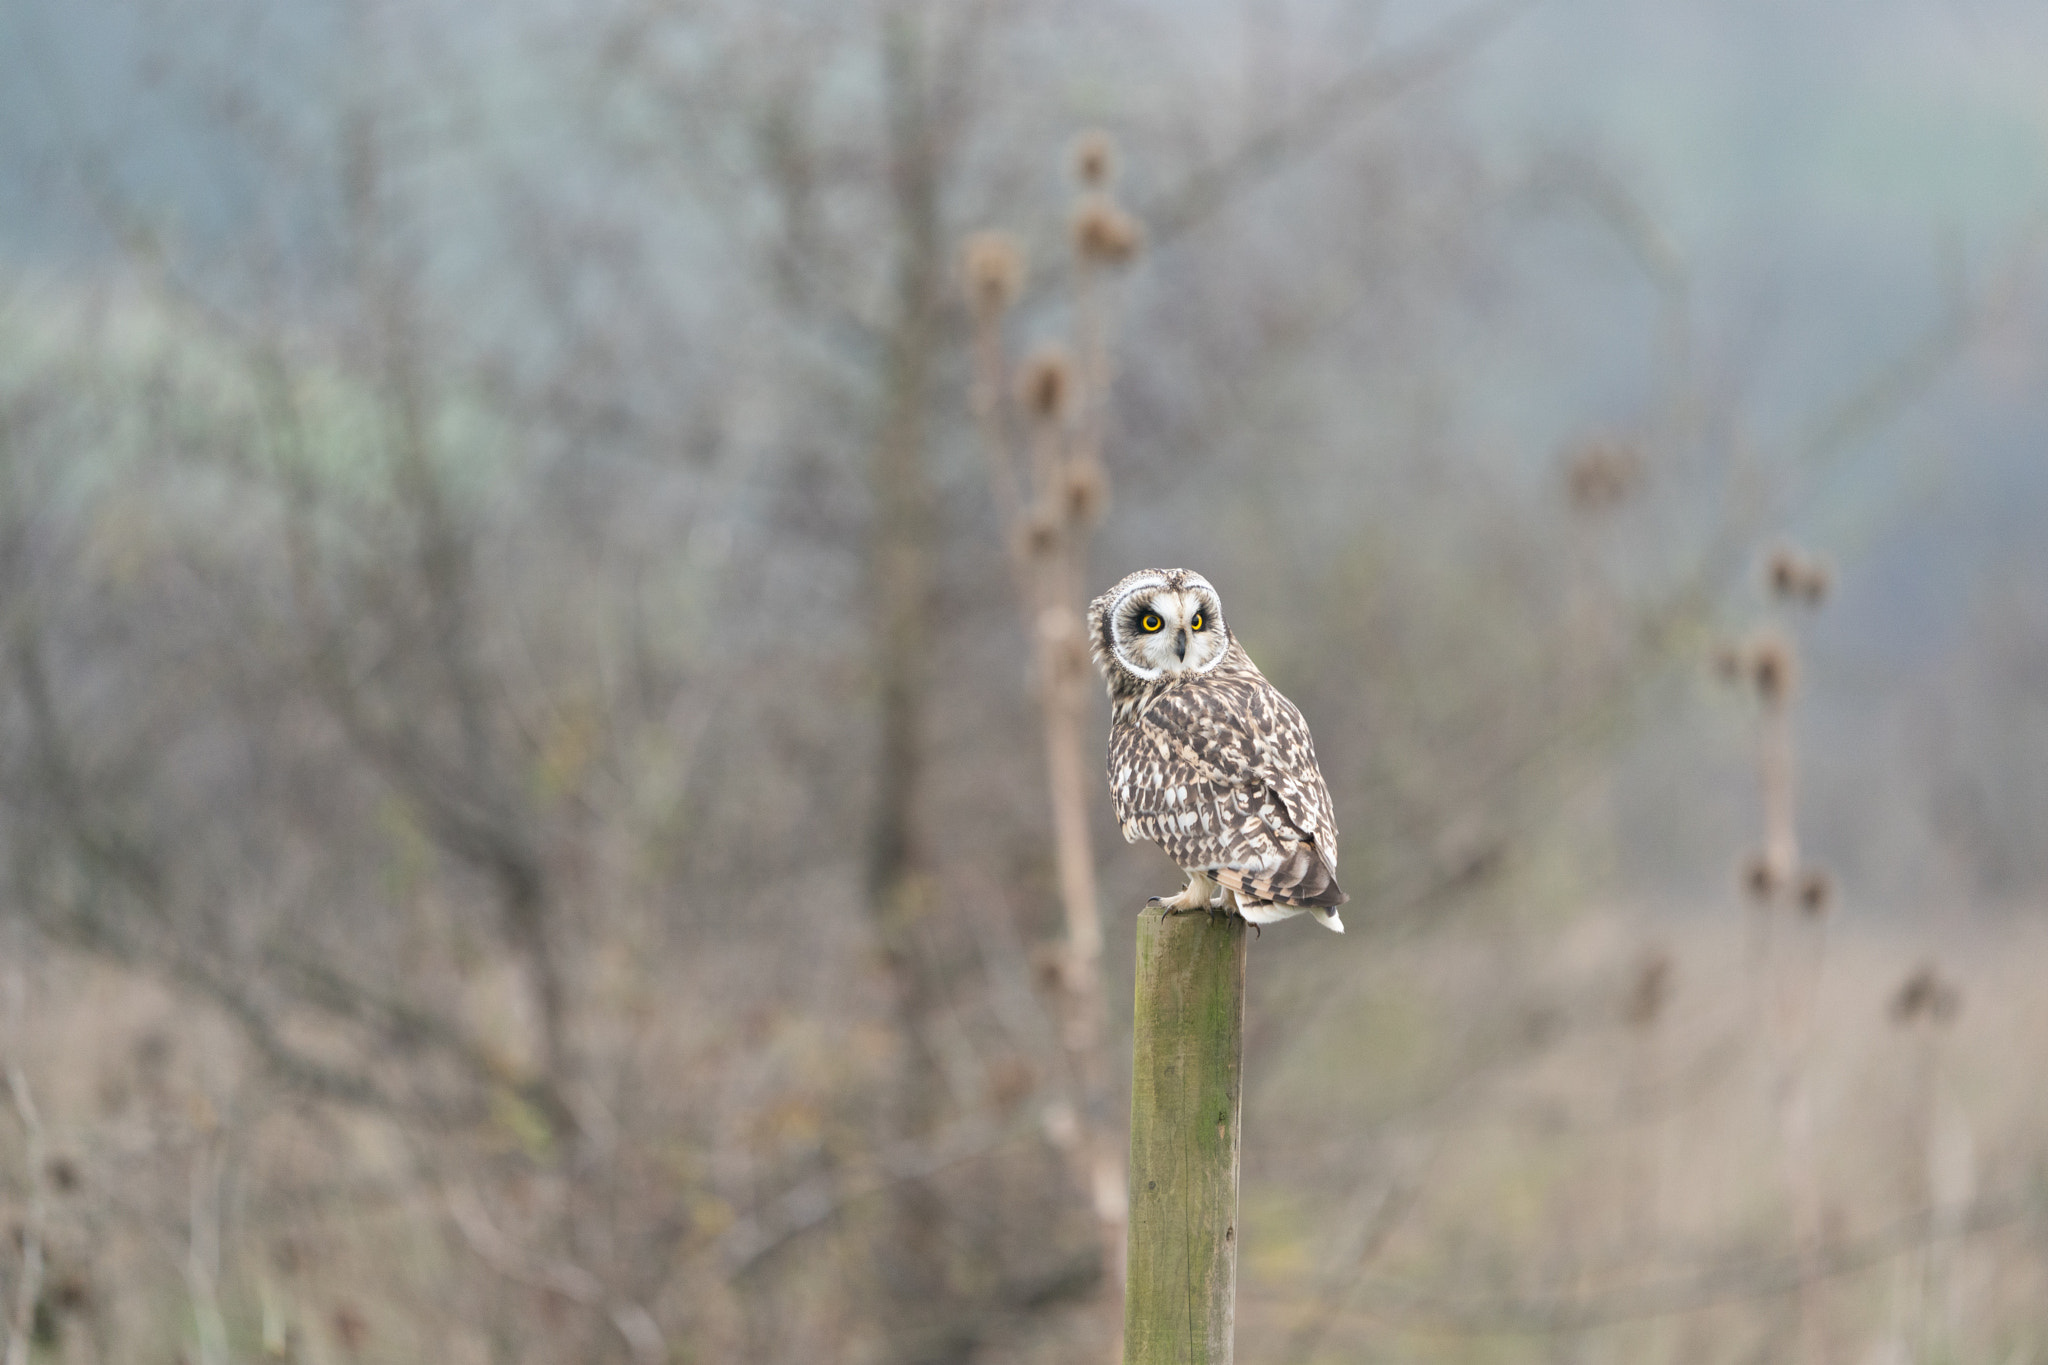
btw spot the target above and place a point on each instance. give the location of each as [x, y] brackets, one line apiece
[992, 267]
[1760, 884]
[1643, 1007]
[1773, 671]
[1104, 236]
[1047, 499]
[1923, 1007]
[1045, 390]
[1787, 991]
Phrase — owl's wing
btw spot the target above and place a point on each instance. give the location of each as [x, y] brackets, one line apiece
[1224, 776]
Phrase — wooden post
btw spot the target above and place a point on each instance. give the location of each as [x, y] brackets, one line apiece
[1187, 1056]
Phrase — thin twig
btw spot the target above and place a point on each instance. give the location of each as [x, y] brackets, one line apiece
[29, 1290]
[813, 1203]
[202, 1253]
[634, 1324]
[1280, 145]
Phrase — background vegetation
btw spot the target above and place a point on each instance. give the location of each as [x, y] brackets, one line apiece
[523, 813]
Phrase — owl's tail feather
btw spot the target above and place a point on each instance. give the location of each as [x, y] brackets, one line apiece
[1303, 879]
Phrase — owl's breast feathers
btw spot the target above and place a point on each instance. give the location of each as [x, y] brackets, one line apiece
[1220, 772]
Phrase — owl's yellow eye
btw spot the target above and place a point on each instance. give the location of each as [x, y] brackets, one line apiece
[1151, 622]
[1196, 623]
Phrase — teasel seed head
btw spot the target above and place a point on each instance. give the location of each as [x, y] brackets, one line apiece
[993, 265]
[1045, 385]
[1926, 994]
[1760, 878]
[1094, 159]
[1650, 992]
[1087, 491]
[1818, 580]
[1040, 534]
[1601, 475]
[1816, 892]
[1794, 576]
[1773, 668]
[1783, 571]
[1103, 233]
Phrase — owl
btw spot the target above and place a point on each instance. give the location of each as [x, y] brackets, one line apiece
[1207, 759]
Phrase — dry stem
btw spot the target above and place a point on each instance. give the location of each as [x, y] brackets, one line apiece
[22, 1317]
[1046, 531]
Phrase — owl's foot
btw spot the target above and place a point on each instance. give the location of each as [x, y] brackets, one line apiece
[1194, 896]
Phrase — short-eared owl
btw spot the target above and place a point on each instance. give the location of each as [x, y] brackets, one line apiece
[1207, 759]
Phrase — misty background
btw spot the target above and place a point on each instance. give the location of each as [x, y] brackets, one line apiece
[523, 813]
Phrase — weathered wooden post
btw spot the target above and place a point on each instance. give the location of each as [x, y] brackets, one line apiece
[1187, 1057]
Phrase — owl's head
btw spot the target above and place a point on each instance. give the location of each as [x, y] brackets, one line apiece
[1156, 624]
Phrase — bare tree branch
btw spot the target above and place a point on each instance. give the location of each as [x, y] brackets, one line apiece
[1324, 115]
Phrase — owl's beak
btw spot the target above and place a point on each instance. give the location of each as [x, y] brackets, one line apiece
[1180, 645]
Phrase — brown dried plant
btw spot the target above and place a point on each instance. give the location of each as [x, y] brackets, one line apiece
[1601, 475]
[1086, 492]
[1730, 662]
[993, 266]
[1094, 159]
[1650, 992]
[1924, 1008]
[1815, 892]
[1045, 384]
[1797, 577]
[1047, 504]
[1759, 879]
[1773, 668]
[1786, 991]
[1103, 233]
[1926, 995]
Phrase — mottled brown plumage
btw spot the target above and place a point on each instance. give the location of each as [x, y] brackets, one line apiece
[1207, 759]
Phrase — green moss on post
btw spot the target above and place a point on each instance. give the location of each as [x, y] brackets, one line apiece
[1187, 1056]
